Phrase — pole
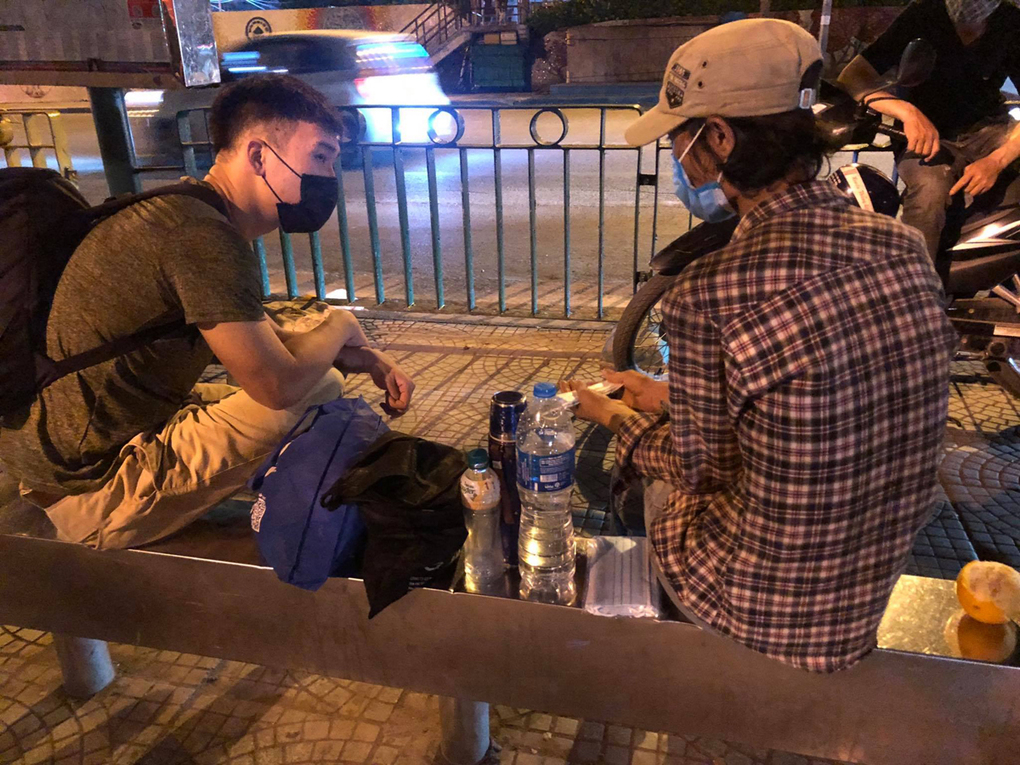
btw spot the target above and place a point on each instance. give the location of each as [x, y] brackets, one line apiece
[823, 27]
[85, 665]
[465, 731]
[114, 134]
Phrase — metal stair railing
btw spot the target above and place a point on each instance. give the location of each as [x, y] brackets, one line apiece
[433, 27]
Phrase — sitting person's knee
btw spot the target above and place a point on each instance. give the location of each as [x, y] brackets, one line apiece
[931, 184]
[329, 388]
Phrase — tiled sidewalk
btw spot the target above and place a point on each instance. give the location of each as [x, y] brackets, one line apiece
[168, 709]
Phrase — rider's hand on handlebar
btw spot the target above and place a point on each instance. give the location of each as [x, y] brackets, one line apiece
[978, 177]
[922, 136]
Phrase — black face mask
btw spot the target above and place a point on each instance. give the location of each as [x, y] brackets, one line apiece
[318, 200]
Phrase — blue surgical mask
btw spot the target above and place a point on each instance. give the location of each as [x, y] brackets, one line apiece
[707, 201]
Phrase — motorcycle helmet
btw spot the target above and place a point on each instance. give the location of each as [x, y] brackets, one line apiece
[868, 188]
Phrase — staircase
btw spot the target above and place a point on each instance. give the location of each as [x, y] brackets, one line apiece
[443, 28]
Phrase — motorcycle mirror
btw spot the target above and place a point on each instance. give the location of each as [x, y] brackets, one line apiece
[916, 64]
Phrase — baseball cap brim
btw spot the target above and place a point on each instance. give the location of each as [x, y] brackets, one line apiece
[651, 126]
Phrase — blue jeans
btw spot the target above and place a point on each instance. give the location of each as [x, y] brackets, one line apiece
[926, 201]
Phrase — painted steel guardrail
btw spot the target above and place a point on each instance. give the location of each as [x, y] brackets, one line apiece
[458, 130]
[37, 133]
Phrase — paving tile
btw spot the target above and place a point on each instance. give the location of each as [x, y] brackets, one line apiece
[327, 751]
[541, 722]
[646, 740]
[341, 729]
[644, 757]
[567, 726]
[378, 712]
[355, 751]
[366, 732]
[299, 752]
[619, 735]
[384, 755]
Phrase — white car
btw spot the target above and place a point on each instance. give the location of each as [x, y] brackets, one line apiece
[351, 67]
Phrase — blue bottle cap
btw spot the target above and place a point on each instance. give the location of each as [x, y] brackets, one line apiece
[545, 390]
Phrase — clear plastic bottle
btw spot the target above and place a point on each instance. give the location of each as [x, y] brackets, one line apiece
[483, 550]
[545, 480]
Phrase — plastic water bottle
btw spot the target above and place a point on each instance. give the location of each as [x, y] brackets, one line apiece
[483, 550]
[545, 480]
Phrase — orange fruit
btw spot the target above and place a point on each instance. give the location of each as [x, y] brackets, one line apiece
[976, 640]
[989, 591]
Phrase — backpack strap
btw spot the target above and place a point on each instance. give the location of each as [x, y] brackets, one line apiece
[194, 189]
[49, 371]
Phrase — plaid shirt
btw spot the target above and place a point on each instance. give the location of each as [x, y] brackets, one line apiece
[809, 384]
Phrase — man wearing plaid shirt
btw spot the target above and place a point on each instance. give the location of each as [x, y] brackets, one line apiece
[808, 370]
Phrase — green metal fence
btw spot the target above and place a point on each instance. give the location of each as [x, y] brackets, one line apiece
[473, 156]
[36, 135]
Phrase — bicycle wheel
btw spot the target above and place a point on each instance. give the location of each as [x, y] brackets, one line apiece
[639, 341]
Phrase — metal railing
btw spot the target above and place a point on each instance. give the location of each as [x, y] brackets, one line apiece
[471, 207]
[468, 166]
[38, 133]
[433, 27]
[435, 200]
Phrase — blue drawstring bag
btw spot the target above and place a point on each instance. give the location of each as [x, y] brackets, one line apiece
[303, 541]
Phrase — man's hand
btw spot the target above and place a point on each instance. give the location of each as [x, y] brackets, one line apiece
[922, 135]
[385, 373]
[861, 81]
[640, 391]
[594, 407]
[978, 177]
[390, 378]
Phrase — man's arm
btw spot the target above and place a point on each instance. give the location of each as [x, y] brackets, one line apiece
[355, 357]
[386, 374]
[274, 373]
[978, 177]
[697, 449]
[860, 80]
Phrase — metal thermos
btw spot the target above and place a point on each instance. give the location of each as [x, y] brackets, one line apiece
[504, 413]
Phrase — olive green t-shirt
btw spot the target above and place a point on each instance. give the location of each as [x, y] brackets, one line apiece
[154, 262]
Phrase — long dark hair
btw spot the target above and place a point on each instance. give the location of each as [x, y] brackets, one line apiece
[775, 146]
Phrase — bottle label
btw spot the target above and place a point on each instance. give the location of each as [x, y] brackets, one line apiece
[548, 472]
[479, 495]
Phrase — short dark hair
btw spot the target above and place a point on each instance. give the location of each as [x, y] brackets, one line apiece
[267, 98]
[771, 147]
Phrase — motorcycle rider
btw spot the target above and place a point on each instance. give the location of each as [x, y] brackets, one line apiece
[808, 368]
[959, 134]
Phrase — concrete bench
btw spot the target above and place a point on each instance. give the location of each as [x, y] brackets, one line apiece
[203, 592]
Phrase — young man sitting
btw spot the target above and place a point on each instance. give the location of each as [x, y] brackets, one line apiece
[799, 433]
[129, 451]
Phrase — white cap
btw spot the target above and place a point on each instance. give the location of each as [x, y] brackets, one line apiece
[744, 68]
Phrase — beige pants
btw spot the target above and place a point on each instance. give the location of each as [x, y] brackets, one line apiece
[170, 477]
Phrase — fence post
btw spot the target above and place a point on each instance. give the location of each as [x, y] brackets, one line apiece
[60, 147]
[38, 138]
[114, 134]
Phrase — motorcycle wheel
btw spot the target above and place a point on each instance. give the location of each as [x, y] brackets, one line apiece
[639, 340]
